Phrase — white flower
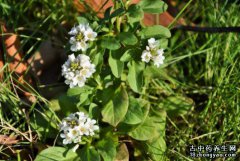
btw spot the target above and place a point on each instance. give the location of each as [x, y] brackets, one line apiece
[76, 70]
[146, 56]
[64, 125]
[72, 133]
[81, 34]
[66, 139]
[90, 34]
[158, 60]
[152, 43]
[81, 117]
[91, 126]
[83, 129]
[160, 52]
[75, 127]
[73, 31]
[78, 45]
[153, 53]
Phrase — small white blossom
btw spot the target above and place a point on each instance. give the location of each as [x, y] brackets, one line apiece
[66, 138]
[91, 126]
[81, 35]
[160, 52]
[146, 56]
[90, 34]
[72, 133]
[75, 127]
[81, 117]
[158, 60]
[153, 53]
[77, 70]
[152, 43]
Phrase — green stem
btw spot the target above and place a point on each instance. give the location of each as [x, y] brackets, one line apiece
[177, 17]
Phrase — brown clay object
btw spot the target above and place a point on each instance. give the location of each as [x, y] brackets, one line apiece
[149, 19]
[14, 57]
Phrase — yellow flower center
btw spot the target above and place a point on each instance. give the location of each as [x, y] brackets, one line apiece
[74, 132]
[74, 66]
[72, 123]
[79, 36]
[154, 52]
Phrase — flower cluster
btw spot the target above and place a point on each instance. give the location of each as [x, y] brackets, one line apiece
[76, 70]
[80, 36]
[153, 53]
[77, 126]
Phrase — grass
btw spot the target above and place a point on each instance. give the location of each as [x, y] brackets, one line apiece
[210, 78]
[202, 66]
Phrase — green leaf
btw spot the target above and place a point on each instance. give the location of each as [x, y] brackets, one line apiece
[128, 38]
[135, 114]
[115, 64]
[156, 146]
[107, 13]
[163, 43]
[135, 13]
[153, 6]
[107, 148]
[156, 31]
[107, 93]
[122, 153]
[94, 111]
[117, 12]
[67, 104]
[57, 154]
[159, 118]
[145, 131]
[110, 43]
[82, 20]
[98, 60]
[84, 99]
[135, 75]
[81, 94]
[133, 53]
[177, 105]
[115, 110]
[88, 153]
[78, 90]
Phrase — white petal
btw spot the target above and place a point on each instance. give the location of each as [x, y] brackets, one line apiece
[80, 28]
[160, 51]
[81, 83]
[62, 135]
[71, 57]
[153, 44]
[146, 56]
[158, 60]
[148, 48]
[71, 85]
[72, 40]
[65, 141]
[151, 40]
[75, 148]
[73, 31]
[95, 127]
[90, 35]
[73, 47]
[83, 46]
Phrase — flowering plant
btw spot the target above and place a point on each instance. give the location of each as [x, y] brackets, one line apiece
[108, 70]
[77, 128]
